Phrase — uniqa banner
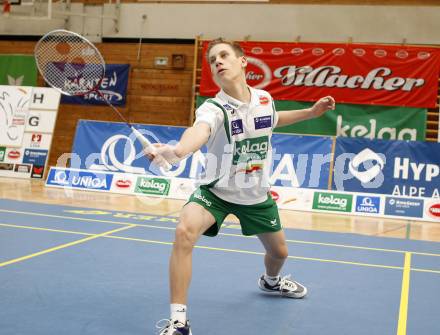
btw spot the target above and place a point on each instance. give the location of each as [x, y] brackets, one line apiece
[381, 122]
[352, 73]
[113, 87]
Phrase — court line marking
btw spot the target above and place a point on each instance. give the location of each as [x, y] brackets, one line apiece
[107, 235]
[63, 246]
[44, 229]
[403, 309]
[224, 234]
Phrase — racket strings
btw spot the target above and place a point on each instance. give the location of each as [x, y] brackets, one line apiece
[69, 62]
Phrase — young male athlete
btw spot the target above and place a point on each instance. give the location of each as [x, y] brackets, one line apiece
[236, 127]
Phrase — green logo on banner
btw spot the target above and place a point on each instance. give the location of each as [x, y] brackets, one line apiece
[373, 128]
[18, 70]
[2, 153]
[155, 186]
[332, 202]
[251, 149]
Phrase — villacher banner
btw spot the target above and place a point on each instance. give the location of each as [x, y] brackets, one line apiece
[352, 73]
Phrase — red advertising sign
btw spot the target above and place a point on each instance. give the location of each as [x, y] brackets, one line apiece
[351, 73]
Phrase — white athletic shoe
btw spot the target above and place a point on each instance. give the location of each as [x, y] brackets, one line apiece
[173, 327]
[285, 286]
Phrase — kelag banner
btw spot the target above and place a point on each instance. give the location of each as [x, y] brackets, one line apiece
[402, 123]
[113, 87]
[18, 70]
[351, 73]
[398, 168]
[299, 161]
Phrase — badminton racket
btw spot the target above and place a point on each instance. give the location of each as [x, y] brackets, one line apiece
[73, 65]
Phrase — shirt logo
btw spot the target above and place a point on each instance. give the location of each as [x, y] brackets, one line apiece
[233, 104]
[263, 122]
[252, 149]
[228, 107]
[264, 100]
[237, 126]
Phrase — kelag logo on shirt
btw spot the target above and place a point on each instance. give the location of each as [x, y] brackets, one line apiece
[251, 149]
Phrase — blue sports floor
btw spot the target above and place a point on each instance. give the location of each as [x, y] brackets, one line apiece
[81, 271]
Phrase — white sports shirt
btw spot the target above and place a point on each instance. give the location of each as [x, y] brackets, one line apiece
[238, 160]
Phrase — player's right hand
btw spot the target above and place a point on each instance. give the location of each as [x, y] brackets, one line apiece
[163, 152]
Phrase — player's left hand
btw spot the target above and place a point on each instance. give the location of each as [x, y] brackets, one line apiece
[323, 105]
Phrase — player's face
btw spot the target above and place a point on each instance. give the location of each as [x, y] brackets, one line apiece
[226, 66]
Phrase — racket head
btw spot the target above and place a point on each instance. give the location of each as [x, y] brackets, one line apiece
[69, 62]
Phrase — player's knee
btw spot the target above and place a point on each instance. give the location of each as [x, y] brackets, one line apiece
[185, 236]
[280, 253]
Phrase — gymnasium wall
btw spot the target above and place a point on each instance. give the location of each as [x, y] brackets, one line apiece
[281, 22]
[416, 24]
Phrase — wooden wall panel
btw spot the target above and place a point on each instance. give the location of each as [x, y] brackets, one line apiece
[155, 95]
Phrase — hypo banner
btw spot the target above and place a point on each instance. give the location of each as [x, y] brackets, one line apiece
[113, 87]
[397, 168]
[352, 73]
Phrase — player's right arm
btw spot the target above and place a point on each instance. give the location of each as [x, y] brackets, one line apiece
[209, 118]
[192, 139]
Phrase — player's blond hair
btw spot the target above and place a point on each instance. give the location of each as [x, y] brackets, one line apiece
[234, 45]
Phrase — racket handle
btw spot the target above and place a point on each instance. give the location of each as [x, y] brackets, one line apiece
[149, 148]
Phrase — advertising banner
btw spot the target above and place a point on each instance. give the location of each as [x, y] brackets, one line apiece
[113, 87]
[27, 121]
[18, 70]
[107, 158]
[14, 106]
[298, 161]
[381, 122]
[352, 73]
[397, 168]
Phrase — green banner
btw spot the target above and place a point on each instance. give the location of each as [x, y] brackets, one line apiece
[374, 122]
[18, 70]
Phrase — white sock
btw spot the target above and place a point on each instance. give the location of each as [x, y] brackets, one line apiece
[178, 312]
[271, 280]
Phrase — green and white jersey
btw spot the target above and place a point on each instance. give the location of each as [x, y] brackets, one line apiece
[238, 160]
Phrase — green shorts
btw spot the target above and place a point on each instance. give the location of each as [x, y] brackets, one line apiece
[254, 219]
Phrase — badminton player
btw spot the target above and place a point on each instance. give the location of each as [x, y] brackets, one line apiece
[236, 126]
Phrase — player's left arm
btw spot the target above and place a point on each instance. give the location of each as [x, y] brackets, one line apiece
[323, 105]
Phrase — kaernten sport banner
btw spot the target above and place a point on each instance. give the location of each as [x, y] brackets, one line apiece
[113, 87]
[351, 73]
